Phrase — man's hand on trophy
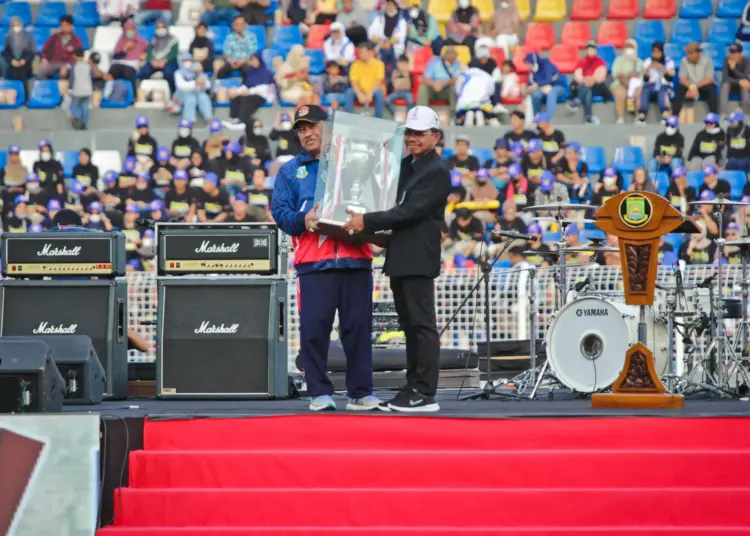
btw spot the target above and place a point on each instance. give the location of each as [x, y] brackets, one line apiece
[356, 223]
[311, 219]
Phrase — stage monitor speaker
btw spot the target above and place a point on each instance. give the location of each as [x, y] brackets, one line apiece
[222, 338]
[29, 379]
[79, 366]
[96, 308]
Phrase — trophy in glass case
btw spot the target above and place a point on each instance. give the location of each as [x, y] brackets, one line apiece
[360, 162]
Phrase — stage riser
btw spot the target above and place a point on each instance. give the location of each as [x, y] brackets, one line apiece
[418, 531]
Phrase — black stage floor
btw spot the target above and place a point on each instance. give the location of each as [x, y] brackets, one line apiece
[562, 406]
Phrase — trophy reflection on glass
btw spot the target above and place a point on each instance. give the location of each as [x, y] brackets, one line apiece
[359, 168]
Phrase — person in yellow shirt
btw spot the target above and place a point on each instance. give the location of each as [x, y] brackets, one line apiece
[367, 79]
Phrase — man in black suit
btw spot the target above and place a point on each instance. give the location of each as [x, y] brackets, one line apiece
[413, 257]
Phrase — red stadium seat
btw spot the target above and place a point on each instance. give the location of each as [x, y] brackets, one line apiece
[612, 32]
[317, 35]
[565, 58]
[517, 100]
[540, 35]
[420, 60]
[518, 56]
[587, 10]
[498, 54]
[623, 9]
[576, 34]
[660, 9]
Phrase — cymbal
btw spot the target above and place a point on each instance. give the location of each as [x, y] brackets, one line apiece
[559, 207]
[592, 249]
[547, 219]
[721, 202]
[533, 253]
[741, 243]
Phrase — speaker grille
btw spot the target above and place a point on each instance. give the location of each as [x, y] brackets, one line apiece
[26, 308]
[215, 339]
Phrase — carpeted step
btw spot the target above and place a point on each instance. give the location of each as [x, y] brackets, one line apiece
[419, 433]
[441, 468]
[435, 507]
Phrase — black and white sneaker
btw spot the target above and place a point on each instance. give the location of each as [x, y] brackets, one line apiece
[410, 401]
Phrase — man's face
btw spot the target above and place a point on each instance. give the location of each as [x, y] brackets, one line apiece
[66, 28]
[516, 122]
[240, 207]
[348, 5]
[509, 212]
[450, 57]
[421, 142]
[14, 158]
[365, 53]
[259, 178]
[501, 154]
[694, 56]
[735, 56]
[239, 25]
[462, 148]
[310, 135]
[571, 155]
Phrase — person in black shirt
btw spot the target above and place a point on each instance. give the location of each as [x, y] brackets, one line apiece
[198, 167]
[257, 192]
[553, 141]
[256, 145]
[213, 146]
[17, 220]
[519, 132]
[666, 253]
[212, 202]
[141, 194]
[53, 207]
[498, 166]
[705, 214]
[85, 171]
[573, 172]
[738, 143]
[463, 162]
[606, 188]
[179, 201]
[130, 230]
[700, 249]
[732, 254]
[679, 194]
[49, 170]
[542, 256]
[465, 227]
[96, 219]
[288, 141]
[668, 148]
[75, 197]
[112, 197]
[233, 169]
[510, 221]
[126, 179]
[184, 146]
[141, 144]
[37, 198]
[534, 164]
[161, 172]
[711, 181]
[708, 144]
[242, 213]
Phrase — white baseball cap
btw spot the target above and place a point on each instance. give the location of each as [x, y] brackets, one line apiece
[422, 118]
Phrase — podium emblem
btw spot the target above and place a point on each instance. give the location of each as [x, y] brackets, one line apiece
[636, 210]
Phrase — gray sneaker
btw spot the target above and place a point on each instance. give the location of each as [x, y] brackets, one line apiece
[322, 403]
[367, 403]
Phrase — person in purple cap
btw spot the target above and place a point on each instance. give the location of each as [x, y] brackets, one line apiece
[542, 250]
[711, 181]
[184, 145]
[498, 166]
[233, 169]
[550, 191]
[53, 207]
[668, 147]
[607, 187]
[49, 169]
[517, 151]
[708, 144]
[242, 211]
[13, 175]
[700, 249]
[705, 213]
[679, 194]
[213, 146]
[738, 143]
[573, 172]
[36, 196]
[162, 171]
[288, 142]
[553, 141]
[17, 219]
[732, 254]
[212, 201]
[142, 144]
[95, 218]
[533, 163]
[74, 199]
[36, 228]
[143, 193]
[179, 200]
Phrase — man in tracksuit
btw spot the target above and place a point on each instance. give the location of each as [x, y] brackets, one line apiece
[331, 275]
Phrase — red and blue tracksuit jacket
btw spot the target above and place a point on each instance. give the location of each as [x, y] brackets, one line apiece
[293, 197]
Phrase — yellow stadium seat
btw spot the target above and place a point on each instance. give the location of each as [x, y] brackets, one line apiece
[464, 54]
[550, 11]
[486, 8]
[442, 9]
[524, 9]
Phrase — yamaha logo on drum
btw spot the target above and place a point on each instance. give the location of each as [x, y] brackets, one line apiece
[592, 312]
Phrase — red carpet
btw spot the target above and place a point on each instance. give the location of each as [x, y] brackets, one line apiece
[374, 476]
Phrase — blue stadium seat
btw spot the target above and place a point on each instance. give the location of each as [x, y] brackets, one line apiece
[662, 181]
[717, 54]
[3, 33]
[317, 61]
[3, 159]
[271, 11]
[269, 54]
[722, 31]
[628, 158]
[608, 54]
[675, 53]
[695, 179]
[147, 32]
[588, 234]
[69, 160]
[226, 83]
[285, 37]
[127, 103]
[40, 35]
[550, 237]
[483, 154]
[674, 239]
[737, 181]
[84, 38]
[49, 14]
[260, 35]
[45, 95]
[696, 9]
[647, 32]
[85, 15]
[730, 9]
[447, 153]
[627, 178]
[218, 35]
[20, 93]
[686, 31]
[595, 157]
[22, 10]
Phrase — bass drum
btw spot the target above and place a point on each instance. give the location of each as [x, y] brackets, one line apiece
[588, 338]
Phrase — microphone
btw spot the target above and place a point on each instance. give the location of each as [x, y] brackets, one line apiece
[706, 283]
[578, 287]
[515, 236]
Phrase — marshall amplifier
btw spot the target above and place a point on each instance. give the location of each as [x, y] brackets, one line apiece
[98, 309]
[29, 379]
[74, 253]
[222, 338]
[220, 249]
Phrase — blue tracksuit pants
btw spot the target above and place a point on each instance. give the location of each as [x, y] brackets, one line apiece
[320, 295]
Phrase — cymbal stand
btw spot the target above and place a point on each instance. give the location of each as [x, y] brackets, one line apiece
[740, 338]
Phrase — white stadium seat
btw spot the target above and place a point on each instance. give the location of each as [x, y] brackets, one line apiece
[106, 161]
[184, 34]
[153, 86]
[29, 158]
[190, 13]
[106, 38]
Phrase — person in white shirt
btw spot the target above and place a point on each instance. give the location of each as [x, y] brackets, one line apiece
[658, 73]
[338, 47]
[116, 10]
[192, 86]
[388, 30]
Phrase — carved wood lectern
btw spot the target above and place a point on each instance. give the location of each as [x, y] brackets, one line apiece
[638, 220]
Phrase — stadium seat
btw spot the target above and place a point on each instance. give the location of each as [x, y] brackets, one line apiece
[587, 10]
[716, 53]
[622, 9]
[270, 12]
[45, 95]
[588, 234]
[608, 54]
[127, 103]
[106, 160]
[674, 240]
[29, 157]
[185, 36]
[518, 55]
[49, 14]
[3, 159]
[722, 31]
[737, 181]
[695, 179]
[550, 11]
[565, 57]
[674, 52]
[269, 54]
[686, 31]
[549, 237]
[524, 9]
[628, 158]
[486, 8]
[190, 13]
[317, 35]
[660, 9]
[576, 34]
[85, 15]
[464, 54]
[18, 87]
[40, 35]
[105, 39]
[420, 59]
[147, 32]
[68, 159]
[22, 10]
[696, 9]
[285, 37]
[82, 35]
[226, 83]
[218, 35]
[317, 61]
[442, 10]
[158, 98]
[730, 9]
[595, 157]
[260, 35]
[612, 32]
[483, 154]
[647, 32]
[497, 54]
[540, 35]
[662, 182]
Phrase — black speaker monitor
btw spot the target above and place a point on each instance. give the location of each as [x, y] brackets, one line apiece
[29, 379]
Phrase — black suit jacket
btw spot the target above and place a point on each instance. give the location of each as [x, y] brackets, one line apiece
[417, 219]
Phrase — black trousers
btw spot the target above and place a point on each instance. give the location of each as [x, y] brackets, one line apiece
[244, 107]
[708, 93]
[414, 298]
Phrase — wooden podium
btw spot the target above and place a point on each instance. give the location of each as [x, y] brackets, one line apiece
[638, 220]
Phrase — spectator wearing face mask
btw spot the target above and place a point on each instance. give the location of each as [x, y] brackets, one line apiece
[388, 31]
[534, 163]
[96, 219]
[161, 55]
[738, 143]
[627, 72]
[338, 47]
[696, 80]
[142, 145]
[668, 147]
[129, 49]
[423, 31]
[589, 78]
[463, 26]
[505, 26]
[212, 202]
[184, 145]
[606, 188]
[85, 171]
[573, 172]
[17, 220]
[659, 71]
[255, 143]
[162, 171]
[19, 52]
[37, 199]
[544, 85]
[49, 170]
[708, 144]
[288, 141]
[213, 146]
[192, 87]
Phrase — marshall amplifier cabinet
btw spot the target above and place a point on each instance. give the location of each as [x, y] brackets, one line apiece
[255, 249]
[222, 338]
[52, 254]
[96, 308]
[29, 379]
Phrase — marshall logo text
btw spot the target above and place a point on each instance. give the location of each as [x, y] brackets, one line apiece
[46, 329]
[208, 247]
[206, 328]
[592, 312]
[48, 250]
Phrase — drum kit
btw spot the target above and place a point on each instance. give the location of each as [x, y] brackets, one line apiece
[591, 329]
